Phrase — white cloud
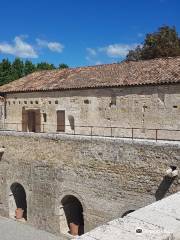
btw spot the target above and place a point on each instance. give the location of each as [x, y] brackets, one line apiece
[117, 50]
[91, 51]
[20, 48]
[52, 46]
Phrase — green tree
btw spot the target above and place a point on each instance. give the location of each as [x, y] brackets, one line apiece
[5, 71]
[163, 43]
[17, 69]
[45, 66]
[63, 65]
[29, 67]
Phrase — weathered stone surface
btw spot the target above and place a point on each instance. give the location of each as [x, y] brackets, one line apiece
[158, 221]
[108, 176]
[145, 108]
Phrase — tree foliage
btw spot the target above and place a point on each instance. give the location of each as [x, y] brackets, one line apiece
[63, 65]
[163, 43]
[10, 71]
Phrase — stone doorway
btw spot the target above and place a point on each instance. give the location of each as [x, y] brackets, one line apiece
[17, 201]
[60, 121]
[71, 216]
[31, 120]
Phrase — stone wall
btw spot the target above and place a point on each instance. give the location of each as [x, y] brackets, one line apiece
[144, 107]
[108, 176]
[158, 221]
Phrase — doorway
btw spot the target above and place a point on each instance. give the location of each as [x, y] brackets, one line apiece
[60, 121]
[31, 120]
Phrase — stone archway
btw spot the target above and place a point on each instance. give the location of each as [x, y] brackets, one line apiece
[71, 216]
[17, 201]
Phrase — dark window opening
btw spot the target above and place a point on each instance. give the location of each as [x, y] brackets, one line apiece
[175, 106]
[49, 102]
[56, 102]
[25, 102]
[36, 102]
[31, 102]
[87, 101]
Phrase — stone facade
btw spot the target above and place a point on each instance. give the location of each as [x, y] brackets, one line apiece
[106, 112]
[107, 176]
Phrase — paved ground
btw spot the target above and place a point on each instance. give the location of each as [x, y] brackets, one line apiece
[13, 230]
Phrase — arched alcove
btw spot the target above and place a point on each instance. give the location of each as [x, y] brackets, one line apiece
[127, 212]
[17, 200]
[71, 216]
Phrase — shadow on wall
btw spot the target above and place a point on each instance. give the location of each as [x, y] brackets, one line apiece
[163, 187]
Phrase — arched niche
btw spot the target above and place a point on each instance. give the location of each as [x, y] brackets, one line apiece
[127, 212]
[17, 201]
[71, 216]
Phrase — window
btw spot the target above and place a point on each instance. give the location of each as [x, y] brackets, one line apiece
[49, 102]
[56, 102]
[31, 102]
[87, 101]
[175, 106]
[36, 102]
[25, 102]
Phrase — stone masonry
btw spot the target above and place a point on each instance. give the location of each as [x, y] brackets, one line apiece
[111, 111]
[108, 176]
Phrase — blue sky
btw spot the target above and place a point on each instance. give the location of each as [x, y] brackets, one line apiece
[80, 32]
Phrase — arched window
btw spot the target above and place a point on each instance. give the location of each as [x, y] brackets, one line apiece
[71, 217]
[17, 202]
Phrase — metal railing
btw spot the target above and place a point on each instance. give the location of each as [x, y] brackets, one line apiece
[103, 131]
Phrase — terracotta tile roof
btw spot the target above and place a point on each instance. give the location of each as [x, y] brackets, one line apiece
[157, 71]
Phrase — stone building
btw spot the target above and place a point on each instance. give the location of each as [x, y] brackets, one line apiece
[60, 179]
[130, 99]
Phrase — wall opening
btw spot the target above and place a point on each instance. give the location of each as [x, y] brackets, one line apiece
[31, 120]
[71, 216]
[127, 212]
[17, 202]
[60, 121]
